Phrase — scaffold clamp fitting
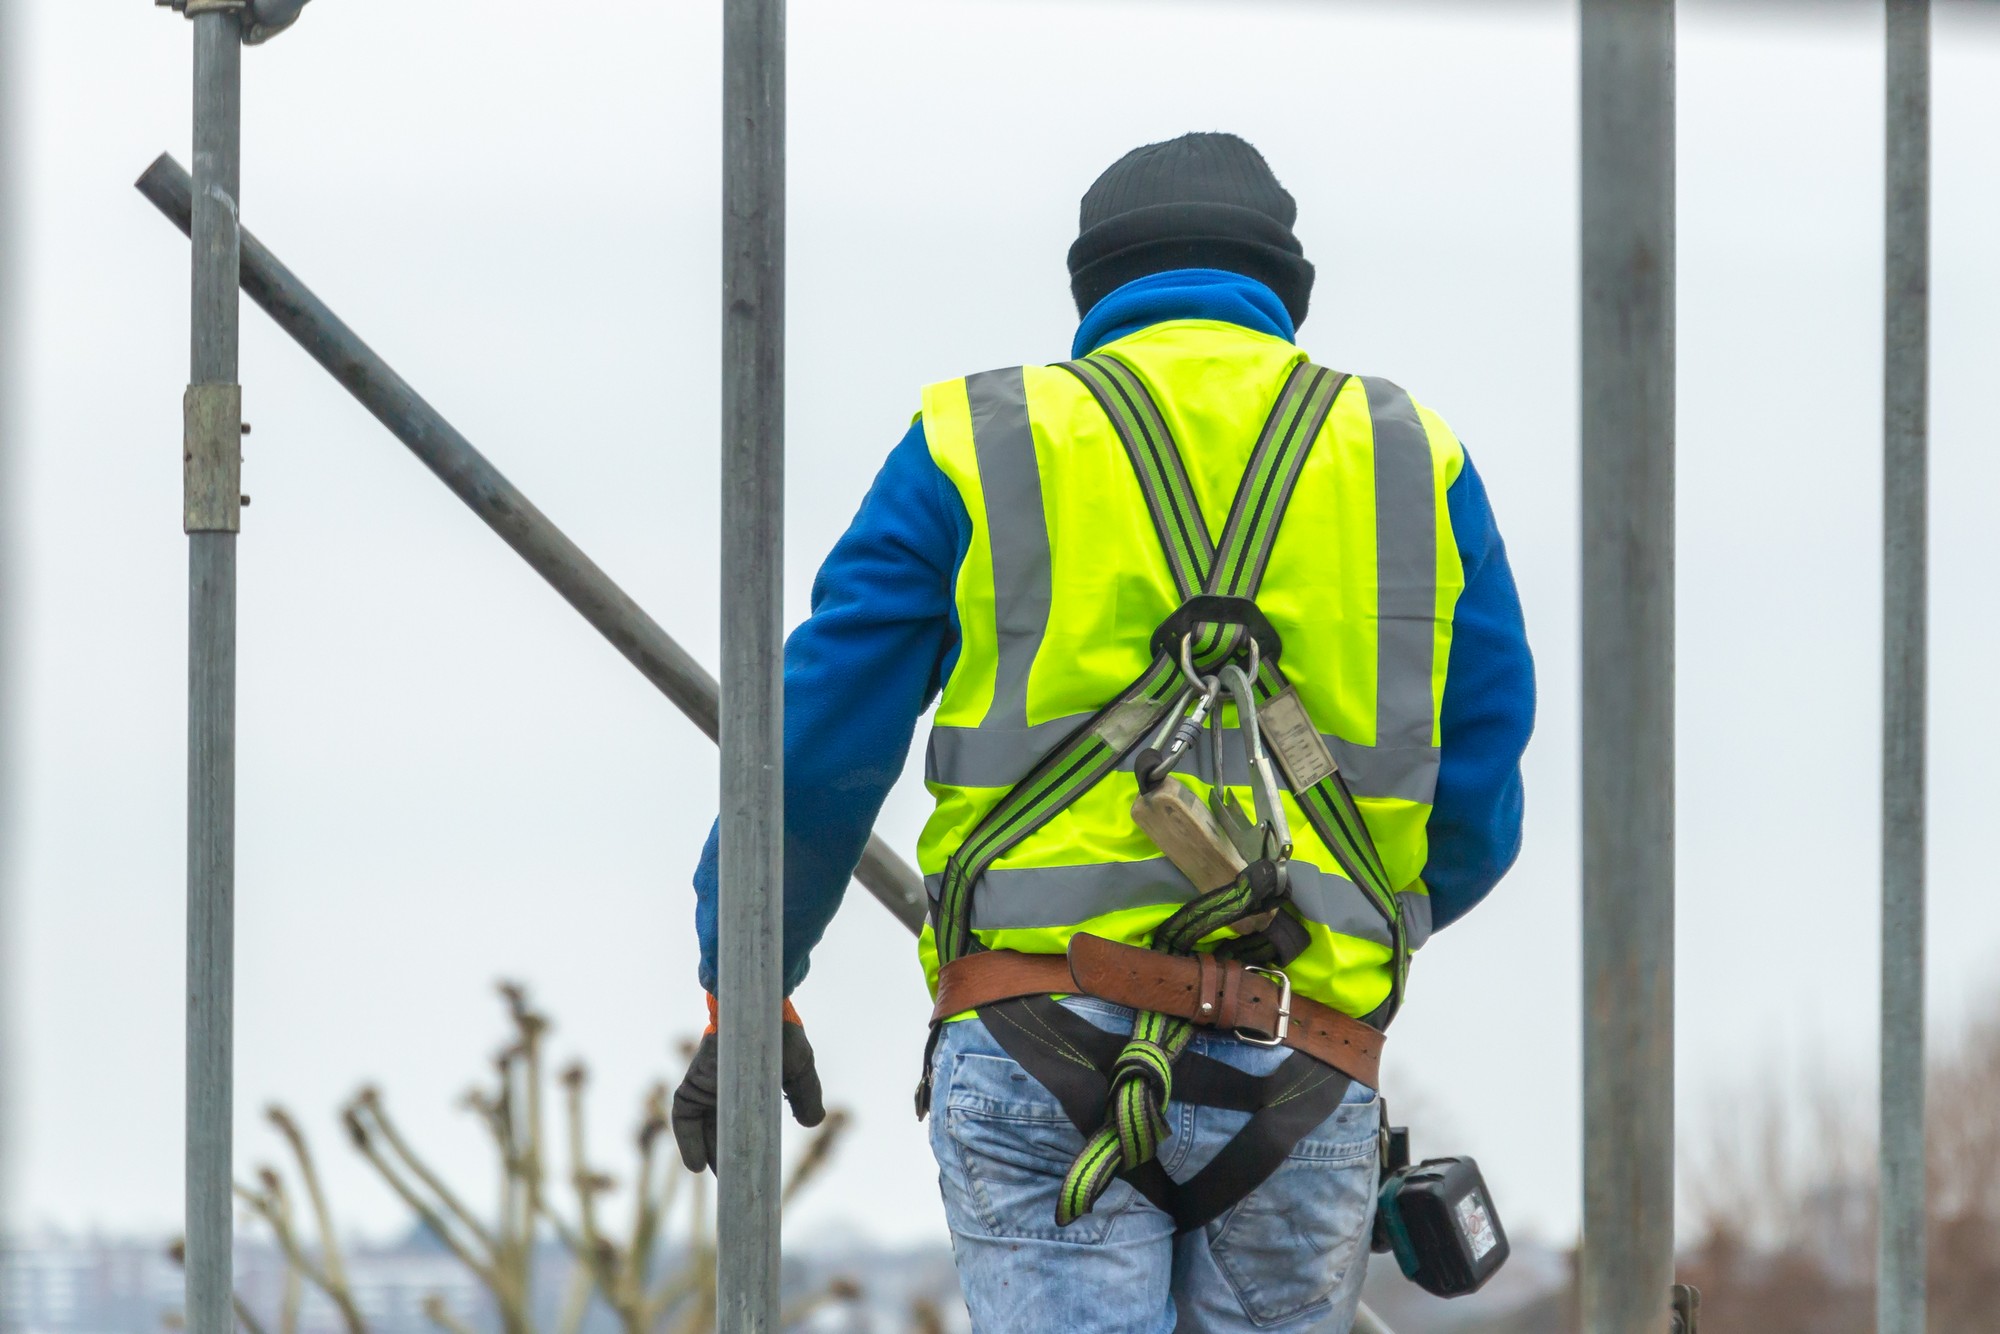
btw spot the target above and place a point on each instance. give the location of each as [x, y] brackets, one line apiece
[268, 18]
[262, 19]
[212, 459]
[1686, 1302]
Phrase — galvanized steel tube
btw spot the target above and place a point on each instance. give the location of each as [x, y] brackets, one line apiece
[211, 790]
[1905, 472]
[1628, 662]
[753, 721]
[9, 407]
[500, 504]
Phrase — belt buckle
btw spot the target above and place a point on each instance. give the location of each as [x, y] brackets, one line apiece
[1284, 981]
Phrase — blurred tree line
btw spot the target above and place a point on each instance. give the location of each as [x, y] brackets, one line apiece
[1783, 1205]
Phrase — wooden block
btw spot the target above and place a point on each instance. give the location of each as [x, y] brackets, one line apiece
[1186, 831]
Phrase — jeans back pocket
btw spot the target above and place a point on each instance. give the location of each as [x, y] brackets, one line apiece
[1010, 1145]
[1289, 1244]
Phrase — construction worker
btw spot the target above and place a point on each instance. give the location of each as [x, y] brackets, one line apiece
[1194, 609]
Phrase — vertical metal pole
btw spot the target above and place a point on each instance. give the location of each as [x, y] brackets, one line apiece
[9, 407]
[1628, 663]
[1905, 471]
[753, 457]
[210, 455]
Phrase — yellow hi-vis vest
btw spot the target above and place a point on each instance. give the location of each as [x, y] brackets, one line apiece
[1065, 581]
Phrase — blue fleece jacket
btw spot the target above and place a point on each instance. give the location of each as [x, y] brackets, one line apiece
[883, 637]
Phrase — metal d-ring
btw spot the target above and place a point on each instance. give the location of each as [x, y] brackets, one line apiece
[1195, 679]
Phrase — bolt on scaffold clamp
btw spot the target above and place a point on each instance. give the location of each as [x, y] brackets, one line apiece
[262, 19]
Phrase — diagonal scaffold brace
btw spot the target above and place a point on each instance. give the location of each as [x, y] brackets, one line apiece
[499, 503]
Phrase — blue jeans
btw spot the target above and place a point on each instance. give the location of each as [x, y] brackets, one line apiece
[1287, 1259]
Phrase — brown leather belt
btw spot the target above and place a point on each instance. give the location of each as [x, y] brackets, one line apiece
[1219, 993]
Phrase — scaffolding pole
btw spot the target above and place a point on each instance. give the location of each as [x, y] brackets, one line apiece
[9, 410]
[753, 724]
[211, 473]
[1905, 472]
[1627, 421]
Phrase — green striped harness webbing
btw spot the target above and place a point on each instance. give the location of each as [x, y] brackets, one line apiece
[1142, 1075]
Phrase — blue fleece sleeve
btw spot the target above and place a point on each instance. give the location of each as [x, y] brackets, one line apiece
[1487, 715]
[858, 673]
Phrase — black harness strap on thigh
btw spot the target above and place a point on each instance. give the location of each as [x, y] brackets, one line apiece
[1071, 1058]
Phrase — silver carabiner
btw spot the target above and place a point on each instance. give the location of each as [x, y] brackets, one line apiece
[1178, 730]
[1194, 678]
[1265, 793]
[1157, 739]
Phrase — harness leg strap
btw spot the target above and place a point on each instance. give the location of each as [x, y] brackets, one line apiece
[1068, 1055]
[1307, 1094]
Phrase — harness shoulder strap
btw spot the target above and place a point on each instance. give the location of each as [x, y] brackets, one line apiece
[1237, 568]
[1087, 755]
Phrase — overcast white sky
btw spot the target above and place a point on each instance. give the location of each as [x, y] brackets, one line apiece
[446, 777]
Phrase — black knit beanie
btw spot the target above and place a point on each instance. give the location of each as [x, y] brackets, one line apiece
[1206, 201]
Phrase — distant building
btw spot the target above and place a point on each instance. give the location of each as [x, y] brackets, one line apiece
[55, 1283]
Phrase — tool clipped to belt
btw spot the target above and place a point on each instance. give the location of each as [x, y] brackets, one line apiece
[1438, 1217]
[1215, 643]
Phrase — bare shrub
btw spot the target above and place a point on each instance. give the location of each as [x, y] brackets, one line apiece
[1781, 1196]
[618, 1268]
[1785, 1204]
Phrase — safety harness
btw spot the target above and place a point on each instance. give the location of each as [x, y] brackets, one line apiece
[1116, 1090]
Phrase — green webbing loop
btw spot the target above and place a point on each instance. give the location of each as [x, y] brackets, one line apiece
[1142, 1077]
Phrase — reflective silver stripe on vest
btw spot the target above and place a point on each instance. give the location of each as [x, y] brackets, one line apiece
[1405, 569]
[1416, 909]
[1403, 764]
[1004, 444]
[1002, 756]
[1030, 898]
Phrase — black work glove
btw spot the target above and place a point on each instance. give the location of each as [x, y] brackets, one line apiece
[694, 1100]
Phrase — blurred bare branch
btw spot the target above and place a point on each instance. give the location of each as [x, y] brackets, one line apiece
[499, 1252]
[439, 1314]
[925, 1317]
[818, 1151]
[836, 1292]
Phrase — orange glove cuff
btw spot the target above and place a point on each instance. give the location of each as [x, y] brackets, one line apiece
[791, 1015]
